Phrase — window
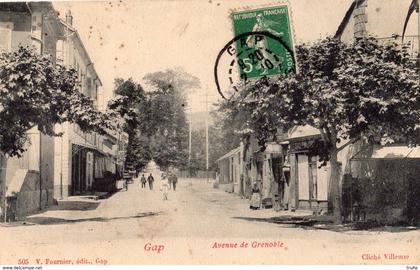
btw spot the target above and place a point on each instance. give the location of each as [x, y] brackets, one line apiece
[6, 37]
[89, 82]
[59, 55]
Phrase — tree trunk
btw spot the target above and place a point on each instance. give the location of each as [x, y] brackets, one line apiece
[335, 186]
[3, 167]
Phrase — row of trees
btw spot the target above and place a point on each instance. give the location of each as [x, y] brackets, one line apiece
[349, 92]
[155, 120]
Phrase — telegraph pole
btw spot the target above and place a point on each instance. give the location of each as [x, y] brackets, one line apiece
[206, 101]
[189, 143]
[207, 139]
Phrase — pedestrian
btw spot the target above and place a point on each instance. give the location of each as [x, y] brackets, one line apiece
[170, 180]
[143, 181]
[164, 187]
[255, 198]
[150, 179]
[174, 180]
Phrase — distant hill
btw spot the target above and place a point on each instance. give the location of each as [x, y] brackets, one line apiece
[198, 120]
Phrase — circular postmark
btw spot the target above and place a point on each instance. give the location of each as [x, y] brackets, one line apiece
[251, 58]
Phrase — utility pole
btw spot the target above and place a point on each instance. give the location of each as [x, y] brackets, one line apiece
[207, 139]
[206, 101]
[189, 141]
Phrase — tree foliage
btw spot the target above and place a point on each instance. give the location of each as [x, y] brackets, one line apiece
[172, 79]
[347, 91]
[130, 103]
[129, 100]
[35, 91]
[169, 126]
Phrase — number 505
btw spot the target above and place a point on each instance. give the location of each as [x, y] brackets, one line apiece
[23, 261]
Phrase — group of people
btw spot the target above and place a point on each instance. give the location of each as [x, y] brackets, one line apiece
[168, 182]
[150, 179]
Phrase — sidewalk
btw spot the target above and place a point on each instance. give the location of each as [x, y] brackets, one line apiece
[302, 218]
[60, 210]
[242, 204]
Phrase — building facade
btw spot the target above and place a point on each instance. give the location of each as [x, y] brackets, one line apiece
[80, 157]
[248, 165]
[229, 170]
[53, 167]
[308, 180]
[379, 183]
[29, 179]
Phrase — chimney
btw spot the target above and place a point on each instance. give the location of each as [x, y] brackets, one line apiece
[69, 18]
[360, 19]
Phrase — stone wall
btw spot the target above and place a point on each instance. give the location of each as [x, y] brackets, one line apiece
[29, 199]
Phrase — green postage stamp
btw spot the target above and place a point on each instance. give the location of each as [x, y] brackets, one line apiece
[266, 44]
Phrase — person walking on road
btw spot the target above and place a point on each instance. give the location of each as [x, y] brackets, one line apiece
[169, 177]
[143, 181]
[164, 187]
[150, 179]
[173, 179]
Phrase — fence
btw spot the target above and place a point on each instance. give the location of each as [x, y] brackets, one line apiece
[410, 41]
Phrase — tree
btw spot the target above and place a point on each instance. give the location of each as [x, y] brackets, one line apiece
[348, 92]
[172, 80]
[167, 125]
[35, 91]
[229, 125]
[198, 148]
[130, 103]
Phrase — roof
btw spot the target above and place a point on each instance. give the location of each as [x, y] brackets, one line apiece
[14, 7]
[383, 19]
[230, 153]
[302, 131]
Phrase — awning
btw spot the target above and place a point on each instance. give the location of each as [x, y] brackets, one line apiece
[92, 148]
[396, 152]
[230, 153]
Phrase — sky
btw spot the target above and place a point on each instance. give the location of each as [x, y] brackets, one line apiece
[132, 38]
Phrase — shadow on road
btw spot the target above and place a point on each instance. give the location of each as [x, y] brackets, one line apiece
[54, 220]
[327, 224]
[74, 205]
[287, 220]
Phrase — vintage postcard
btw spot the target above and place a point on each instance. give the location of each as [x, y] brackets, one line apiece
[137, 132]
